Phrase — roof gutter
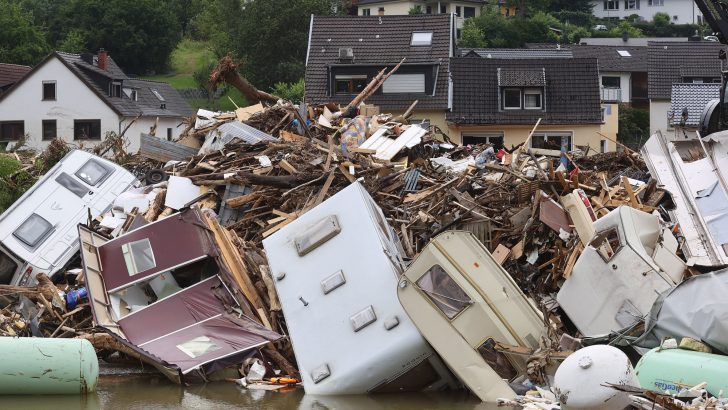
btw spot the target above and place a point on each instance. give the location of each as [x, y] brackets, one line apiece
[310, 31]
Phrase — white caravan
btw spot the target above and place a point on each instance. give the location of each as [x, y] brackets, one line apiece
[336, 270]
[38, 232]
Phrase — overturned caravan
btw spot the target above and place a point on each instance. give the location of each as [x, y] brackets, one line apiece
[336, 269]
[163, 291]
[464, 303]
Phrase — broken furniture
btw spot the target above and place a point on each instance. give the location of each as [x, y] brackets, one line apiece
[464, 303]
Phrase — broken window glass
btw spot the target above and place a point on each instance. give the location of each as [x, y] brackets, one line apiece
[33, 230]
[444, 292]
[497, 360]
[607, 243]
[93, 172]
[71, 184]
[138, 256]
[198, 346]
[7, 268]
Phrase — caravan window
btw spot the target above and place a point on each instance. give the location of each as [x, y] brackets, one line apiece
[93, 172]
[607, 243]
[33, 230]
[7, 268]
[442, 290]
[72, 185]
[138, 256]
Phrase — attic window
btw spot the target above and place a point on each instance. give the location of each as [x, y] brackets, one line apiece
[115, 89]
[624, 53]
[421, 39]
[158, 95]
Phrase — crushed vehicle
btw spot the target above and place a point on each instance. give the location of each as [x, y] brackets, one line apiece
[695, 173]
[464, 303]
[336, 270]
[630, 260]
[163, 290]
[38, 232]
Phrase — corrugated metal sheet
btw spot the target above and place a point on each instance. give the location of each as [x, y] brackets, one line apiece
[216, 139]
[161, 150]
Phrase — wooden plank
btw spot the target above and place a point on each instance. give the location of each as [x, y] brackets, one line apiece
[291, 137]
[235, 264]
[285, 165]
[632, 198]
[242, 199]
[324, 190]
[571, 261]
[501, 254]
[346, 173]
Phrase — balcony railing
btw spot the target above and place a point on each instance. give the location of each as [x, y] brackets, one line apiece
[611, 94]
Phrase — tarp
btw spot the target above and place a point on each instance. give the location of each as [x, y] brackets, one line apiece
[697, 308]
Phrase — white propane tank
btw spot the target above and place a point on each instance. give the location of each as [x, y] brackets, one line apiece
[578, 381]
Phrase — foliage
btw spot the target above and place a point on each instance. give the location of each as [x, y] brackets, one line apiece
[74, 42]
[415, 10]
[270, 37]
[634, 126]
[578, 18]
[625, 27]
[290, 91]
[504, 32]
[139, 35]
[471, 35]
[21, 42]
[661, 19]
[202, 76]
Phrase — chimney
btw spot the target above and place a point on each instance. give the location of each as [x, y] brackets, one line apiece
[102, 56]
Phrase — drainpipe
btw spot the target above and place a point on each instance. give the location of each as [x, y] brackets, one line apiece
[438, 7]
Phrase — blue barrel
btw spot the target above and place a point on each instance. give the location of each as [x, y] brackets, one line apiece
[33, 365]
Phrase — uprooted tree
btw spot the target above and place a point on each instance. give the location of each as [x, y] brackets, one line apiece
[227, 71]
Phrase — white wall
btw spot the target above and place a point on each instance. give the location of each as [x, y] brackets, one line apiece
[74, 100]
[143, 125]
[625, 83]
[658, 116]
[685, 10]
[391, 8]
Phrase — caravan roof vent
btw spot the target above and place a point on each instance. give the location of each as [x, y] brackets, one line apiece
[346, 54]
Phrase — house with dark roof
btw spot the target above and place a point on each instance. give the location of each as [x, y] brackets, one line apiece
[671, 63]
[622, 70]
[81, 97]
[345, 53]
[11, 74]
[688, 103]
[500, 100]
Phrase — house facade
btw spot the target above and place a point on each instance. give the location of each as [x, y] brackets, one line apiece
[680, 11]
[688, 103]
[345, 53]
[462, 9]
[499, 101]
[79, 98]
[670, 63]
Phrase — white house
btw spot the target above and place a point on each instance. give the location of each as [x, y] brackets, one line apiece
[680, 11]
[462, 9]
[81, 97]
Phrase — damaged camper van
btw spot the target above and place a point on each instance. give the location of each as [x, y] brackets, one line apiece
[38, 232]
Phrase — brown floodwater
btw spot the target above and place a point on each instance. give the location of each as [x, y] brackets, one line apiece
[154, 392]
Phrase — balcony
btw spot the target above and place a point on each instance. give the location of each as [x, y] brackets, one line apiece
[611, 94]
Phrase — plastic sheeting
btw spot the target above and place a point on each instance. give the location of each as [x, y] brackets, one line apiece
[696, 308]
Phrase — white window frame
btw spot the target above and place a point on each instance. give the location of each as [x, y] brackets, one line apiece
[520, 98]
[421, 39]
[631, 4]
[553, 134]
[366, 12]
[346, 77]
[533, 91]
[655, 3]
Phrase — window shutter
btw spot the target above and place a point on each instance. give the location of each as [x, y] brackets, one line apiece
[404, 83]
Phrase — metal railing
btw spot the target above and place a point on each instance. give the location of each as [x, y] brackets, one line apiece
[612, 94]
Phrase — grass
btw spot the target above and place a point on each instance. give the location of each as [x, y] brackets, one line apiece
[188, 57]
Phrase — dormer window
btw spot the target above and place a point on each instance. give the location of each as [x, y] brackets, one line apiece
[421, 39]
[521, 98]
[115, 89]
[158, 95]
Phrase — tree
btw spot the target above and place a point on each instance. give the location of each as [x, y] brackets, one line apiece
[270, 37]
[623, 28]
[415, 10]
[74, 42]
[661, 19]
[21, 42]
[140, 35]
[471, 36]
